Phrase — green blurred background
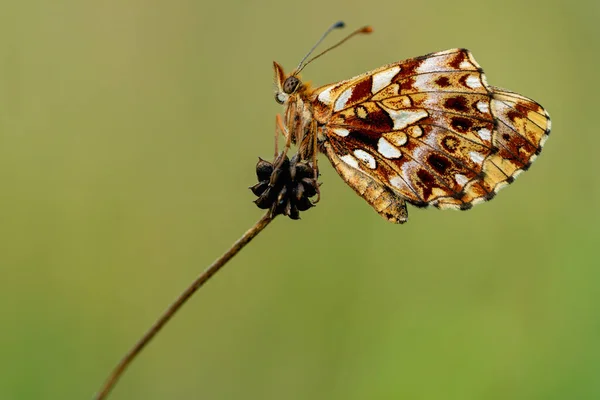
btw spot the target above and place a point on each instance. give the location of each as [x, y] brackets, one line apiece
[129, 131]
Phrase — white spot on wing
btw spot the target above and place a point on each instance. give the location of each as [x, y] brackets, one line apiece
[351, 161]
[387, 149]
[366, 158]
[396, 138]
[341, 132]
[325, 96]
[415, 131]
[476, 157]
[483, 106]
[423, 82]
[341, 101]
[473, 82]
[397, 182]
[465, 65]
[461, 179]
[485, 134]
[383, 78]
[403, 118]
[429, 64]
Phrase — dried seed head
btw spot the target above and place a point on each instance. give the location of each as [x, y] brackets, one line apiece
[285, 186]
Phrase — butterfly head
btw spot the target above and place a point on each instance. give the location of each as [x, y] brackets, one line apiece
[291, 85]
[286, 85]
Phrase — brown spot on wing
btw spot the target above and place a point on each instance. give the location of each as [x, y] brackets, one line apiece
[449, 143]
[461, 124]
[407, 68]
[426, 182]
[439, 163]
[375, 119]
[513, 115]
[407, 84]
[525, 108]
[361, 91]
[458, 103]
[458, 59]
[443, 81]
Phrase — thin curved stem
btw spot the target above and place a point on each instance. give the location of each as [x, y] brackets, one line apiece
[176, 305]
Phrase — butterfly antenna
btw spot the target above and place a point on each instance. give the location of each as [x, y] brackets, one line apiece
[340, 24]
[337, 25]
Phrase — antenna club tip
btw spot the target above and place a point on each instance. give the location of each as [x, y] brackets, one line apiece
[339, 24]
[366, 29]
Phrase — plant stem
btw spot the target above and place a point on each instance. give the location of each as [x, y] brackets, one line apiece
[180, 301]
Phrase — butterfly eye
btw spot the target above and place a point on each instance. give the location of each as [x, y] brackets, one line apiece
[291, 84]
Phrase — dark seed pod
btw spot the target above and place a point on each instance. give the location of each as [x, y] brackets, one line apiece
[264, 169]
[310, 186]
[285, 186]
[259, 188]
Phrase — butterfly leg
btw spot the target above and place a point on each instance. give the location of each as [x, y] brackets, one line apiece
[308, 150]
[279, 126]
[277, 131]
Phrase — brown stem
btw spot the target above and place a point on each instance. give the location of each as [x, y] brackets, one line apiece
[180, 301]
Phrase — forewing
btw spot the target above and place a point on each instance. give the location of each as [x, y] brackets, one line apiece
[431, 129]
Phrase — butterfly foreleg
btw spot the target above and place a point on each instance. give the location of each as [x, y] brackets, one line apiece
[280, 127]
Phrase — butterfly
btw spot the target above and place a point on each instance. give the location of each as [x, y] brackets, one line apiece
[428, 131]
